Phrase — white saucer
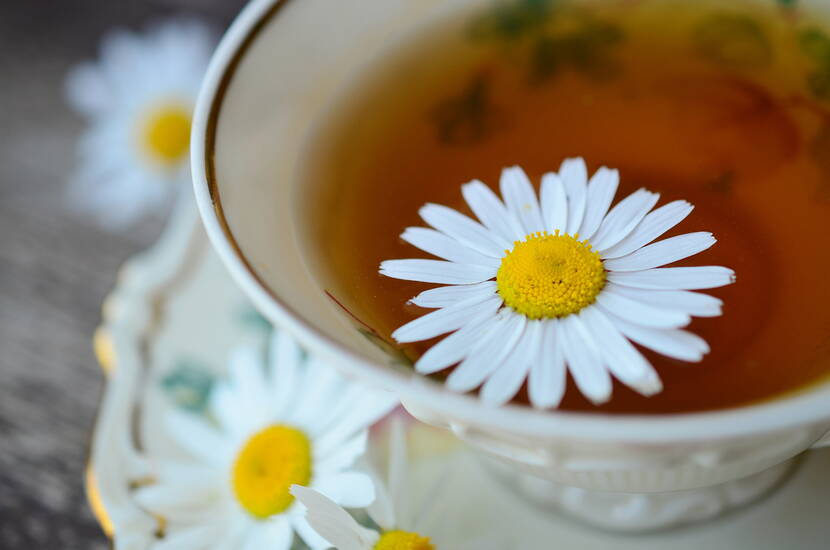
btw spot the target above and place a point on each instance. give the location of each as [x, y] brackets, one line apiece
[168, 326]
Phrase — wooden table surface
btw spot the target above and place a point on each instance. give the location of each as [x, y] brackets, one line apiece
[55, 268]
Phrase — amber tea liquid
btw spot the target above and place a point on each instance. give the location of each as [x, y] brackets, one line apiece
[712, 105]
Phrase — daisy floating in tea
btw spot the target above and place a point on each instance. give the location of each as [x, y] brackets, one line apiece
[560, 283]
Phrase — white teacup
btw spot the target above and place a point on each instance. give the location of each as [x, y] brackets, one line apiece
[274, 72]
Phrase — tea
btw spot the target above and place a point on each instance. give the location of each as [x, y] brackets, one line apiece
[721, 107]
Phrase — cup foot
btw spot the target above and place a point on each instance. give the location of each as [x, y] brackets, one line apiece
[640, 512]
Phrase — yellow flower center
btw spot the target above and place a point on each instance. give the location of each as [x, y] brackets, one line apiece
[548, 276]
[166, 133]
[403, 540]
[267, 466]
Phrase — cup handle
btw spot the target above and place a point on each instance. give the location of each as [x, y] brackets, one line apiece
[823, 442]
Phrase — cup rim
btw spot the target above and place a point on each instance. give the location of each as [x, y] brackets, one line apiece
[807, 406]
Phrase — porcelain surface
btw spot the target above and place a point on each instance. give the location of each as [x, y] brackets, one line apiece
[254, 108]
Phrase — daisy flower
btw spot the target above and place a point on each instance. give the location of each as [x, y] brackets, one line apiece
[402, 526]
[291, 421]
[560, 283]
[138, 99]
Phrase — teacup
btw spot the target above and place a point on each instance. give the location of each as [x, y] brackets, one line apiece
[273, 73]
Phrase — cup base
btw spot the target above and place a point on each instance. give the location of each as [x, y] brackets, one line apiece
[639, 512]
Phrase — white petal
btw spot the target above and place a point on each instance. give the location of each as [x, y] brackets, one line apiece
[653, 225]
[661, 253]
[676, 278]
[638, 312]
[247, 375]
[554, 203]
[373, 405]
[436, 271]
[691, 303]
[547, 378]
[584, 360]
[187, 472]
[489, 354]
[274, 535]
[447, 248]
[623, 360]
[503, 385]
[444, 296]
[342, 404]
[321, 384]
[487, 541]
[350, 417]
[121, 49]
[381, 510]
[87, 91]
[349, 489]
[200, 535]
[236, 528]
[433, 506]
[231, 418]
[180, 501]
[310, 537]
[520, 199]
[333, 523]
[390, 501]
[678, 344]
[120, 198]
[284, 357]
[447, 319]
[344, 455]
[398, 468]
[197, 437]
[463, 229]
[624, 218]
[574, 176]
[601, 190]
[455, 347]
[491, 211]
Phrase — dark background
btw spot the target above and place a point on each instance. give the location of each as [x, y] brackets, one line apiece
[55, 268]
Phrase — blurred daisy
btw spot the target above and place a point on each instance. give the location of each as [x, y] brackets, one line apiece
[138, 99]
[293, 422]
[402, 525]
[559, 282]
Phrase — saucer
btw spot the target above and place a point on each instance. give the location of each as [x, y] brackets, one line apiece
[168, 326]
